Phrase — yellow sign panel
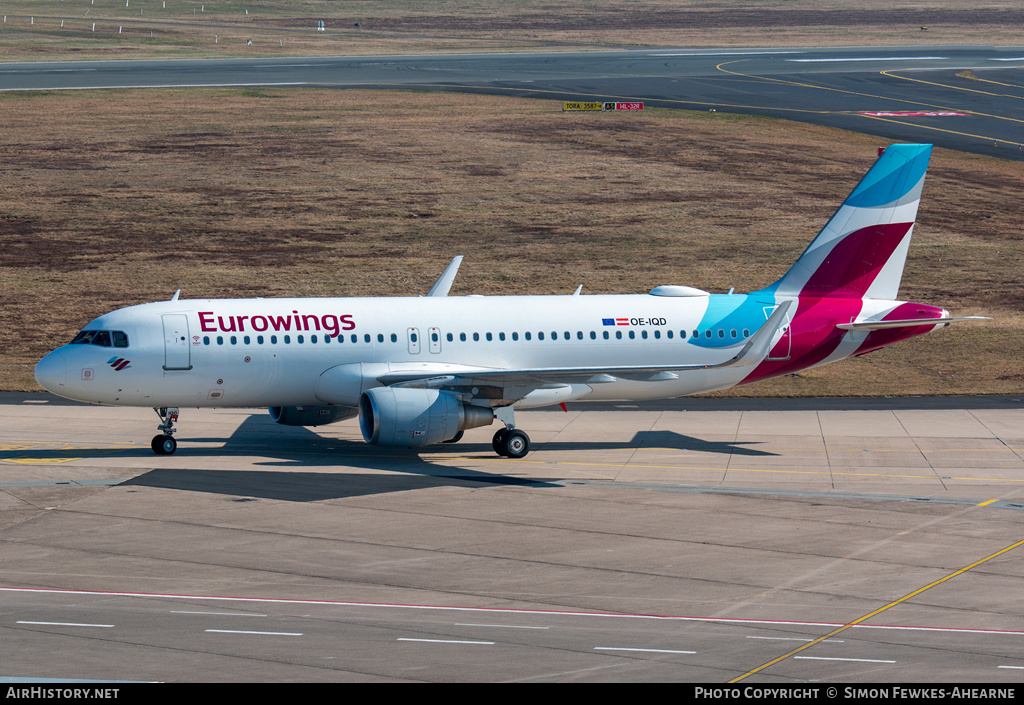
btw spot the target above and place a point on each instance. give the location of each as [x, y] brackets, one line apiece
[582, 106]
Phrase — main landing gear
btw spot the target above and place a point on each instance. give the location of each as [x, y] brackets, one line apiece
[164, 444]
[509, 442]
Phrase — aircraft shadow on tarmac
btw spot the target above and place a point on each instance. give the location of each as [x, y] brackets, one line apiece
[393, 469]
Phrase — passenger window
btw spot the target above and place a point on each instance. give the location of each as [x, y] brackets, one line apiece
[462, 337]
[234, 340]
[540, 335]
[380, 337]
[605, 333]
[259, 339]
[206, 340]
[366, 338]
[273, 340]
[489, 338]
[527, 334]
[246, 340]
[220, 340]
[515, 336]
[618, 335]
[287, 340]
[476, 337]
[746, 333]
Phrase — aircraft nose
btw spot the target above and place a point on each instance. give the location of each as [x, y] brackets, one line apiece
[52, 372]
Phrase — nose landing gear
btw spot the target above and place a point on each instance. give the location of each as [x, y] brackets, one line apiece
[164, 444]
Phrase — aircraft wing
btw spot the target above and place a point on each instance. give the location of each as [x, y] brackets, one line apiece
[752, 352]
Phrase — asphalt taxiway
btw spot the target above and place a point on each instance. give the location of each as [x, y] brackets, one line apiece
[702, 541]
[959, 97]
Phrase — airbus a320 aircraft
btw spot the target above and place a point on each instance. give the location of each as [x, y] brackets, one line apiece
[421, 370]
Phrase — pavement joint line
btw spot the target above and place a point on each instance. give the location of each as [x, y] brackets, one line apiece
[878, 611]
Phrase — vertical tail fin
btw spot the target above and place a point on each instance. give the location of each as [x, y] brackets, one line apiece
[860, 253]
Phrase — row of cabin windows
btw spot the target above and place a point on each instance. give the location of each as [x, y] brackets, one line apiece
[476, 337]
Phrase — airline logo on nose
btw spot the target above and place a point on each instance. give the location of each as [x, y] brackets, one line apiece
[118, 363]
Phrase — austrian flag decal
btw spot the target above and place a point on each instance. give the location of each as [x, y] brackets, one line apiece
[118, 363]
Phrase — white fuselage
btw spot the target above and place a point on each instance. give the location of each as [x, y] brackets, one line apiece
[272, 352]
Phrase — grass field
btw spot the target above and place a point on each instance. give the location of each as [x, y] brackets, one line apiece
[77, 29]
[111, 198]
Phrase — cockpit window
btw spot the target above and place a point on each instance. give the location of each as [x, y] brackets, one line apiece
[104, 338]
[83, 338]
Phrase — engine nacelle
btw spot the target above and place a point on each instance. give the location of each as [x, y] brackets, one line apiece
[401, 416]
[310, 415]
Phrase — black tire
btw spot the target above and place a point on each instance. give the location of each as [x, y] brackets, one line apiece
[517, 444]
[498, 442]
[164, 445]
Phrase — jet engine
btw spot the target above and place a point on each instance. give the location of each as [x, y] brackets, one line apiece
[400, 416]
[310, 415]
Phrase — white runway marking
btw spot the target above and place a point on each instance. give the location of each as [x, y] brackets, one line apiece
[66, 624]
[650, 651]
[871, 58]
[447, 641]
[236, 631]
[498, 626]
[828, 658]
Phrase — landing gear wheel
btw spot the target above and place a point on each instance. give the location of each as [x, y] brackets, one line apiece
[164, 445]
[498, 442]
[517, 444]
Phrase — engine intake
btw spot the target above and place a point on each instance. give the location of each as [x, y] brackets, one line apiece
[310, 415]
[400, 416]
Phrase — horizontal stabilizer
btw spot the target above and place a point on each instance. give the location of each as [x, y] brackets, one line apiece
[906, 323]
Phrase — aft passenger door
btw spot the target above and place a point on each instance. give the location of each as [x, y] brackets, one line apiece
[781, 351]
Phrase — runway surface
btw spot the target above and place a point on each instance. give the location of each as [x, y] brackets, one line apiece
[755, 544]
[969, 98]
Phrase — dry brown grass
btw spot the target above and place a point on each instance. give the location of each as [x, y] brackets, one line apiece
[177, 28]
[115, 198]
